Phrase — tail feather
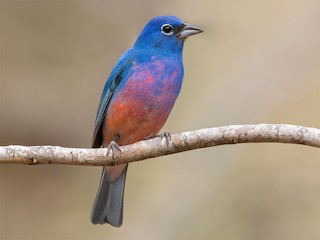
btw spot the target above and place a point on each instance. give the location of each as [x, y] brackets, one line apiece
[108, 205]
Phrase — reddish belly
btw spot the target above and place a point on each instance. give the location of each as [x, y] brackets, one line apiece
[140, 108]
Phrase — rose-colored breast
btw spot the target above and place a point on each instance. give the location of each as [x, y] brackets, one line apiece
[141, 106]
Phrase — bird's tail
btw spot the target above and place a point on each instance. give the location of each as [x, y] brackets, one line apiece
[108, 205]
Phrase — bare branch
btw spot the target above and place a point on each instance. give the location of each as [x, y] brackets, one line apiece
[155, 147]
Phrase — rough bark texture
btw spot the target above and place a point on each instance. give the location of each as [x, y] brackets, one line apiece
[151, 148]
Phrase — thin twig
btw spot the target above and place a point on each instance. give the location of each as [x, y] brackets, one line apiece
[155, 147]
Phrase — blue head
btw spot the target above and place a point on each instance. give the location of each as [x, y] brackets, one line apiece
[165, 34]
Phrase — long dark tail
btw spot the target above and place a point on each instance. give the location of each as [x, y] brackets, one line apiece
[108, 205]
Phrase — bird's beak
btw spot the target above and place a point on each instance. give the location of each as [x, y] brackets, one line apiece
[188, 30]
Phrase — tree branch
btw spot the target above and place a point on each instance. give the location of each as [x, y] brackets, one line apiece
[155, 147]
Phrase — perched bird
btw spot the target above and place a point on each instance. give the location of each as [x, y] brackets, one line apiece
[135, 103]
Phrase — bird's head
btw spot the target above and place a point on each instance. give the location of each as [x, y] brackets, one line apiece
[166, 34]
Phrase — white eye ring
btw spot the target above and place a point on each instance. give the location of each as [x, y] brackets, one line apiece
[167, 29]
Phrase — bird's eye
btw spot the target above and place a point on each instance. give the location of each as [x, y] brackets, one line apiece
[167, 29]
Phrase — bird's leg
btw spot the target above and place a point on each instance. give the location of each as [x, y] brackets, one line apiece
[114, 147]
[165, 135]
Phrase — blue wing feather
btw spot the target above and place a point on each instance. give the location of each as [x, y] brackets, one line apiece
[110, 87]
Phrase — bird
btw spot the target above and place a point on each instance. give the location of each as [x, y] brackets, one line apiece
[136, 101]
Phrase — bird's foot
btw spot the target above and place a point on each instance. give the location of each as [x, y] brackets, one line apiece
[167, 136]
[112, 149]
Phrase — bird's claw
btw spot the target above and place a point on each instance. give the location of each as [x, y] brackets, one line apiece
[112, 149]
[167, 136]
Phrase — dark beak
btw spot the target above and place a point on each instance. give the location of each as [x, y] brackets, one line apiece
[188, 30]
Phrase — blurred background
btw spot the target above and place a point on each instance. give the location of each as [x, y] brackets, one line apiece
[256, 62]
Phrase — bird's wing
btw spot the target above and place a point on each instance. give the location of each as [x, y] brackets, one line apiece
[111, 85]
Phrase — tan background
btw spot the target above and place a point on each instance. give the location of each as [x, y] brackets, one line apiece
[257, 61]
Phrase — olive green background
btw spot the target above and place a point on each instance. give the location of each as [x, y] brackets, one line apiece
[258, 61]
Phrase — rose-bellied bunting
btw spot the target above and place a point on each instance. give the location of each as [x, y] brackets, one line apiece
[135, 103]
